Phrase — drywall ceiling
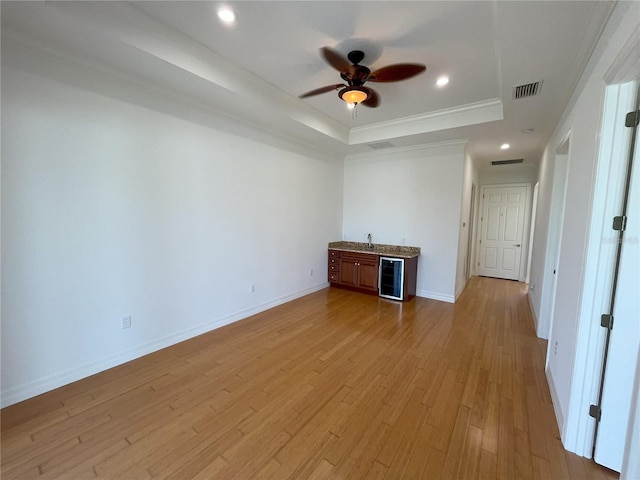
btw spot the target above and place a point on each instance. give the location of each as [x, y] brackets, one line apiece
[255, 70]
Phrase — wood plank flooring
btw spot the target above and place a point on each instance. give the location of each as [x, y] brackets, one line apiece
[334, 385]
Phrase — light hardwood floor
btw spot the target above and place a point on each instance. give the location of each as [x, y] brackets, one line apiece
[333, 385]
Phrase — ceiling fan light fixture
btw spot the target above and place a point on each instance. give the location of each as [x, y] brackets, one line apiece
[353, 95]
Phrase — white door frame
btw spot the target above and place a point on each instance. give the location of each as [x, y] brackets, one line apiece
[525, 226]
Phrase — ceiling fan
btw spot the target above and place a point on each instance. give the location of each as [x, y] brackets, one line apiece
[355, 93]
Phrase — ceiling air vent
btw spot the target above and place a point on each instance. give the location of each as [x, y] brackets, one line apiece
[507, 162]
[527, 90]
[380, 145]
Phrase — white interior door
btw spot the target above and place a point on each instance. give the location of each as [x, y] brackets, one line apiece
[502, 228]
[625, 337]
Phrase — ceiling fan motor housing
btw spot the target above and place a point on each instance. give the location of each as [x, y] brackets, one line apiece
[357, 76]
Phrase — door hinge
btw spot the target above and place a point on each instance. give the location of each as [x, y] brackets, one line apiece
[606, 321]
[620, 223]
[595, 411]
[632, 119]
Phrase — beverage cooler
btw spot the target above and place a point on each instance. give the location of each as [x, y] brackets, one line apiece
[391, 278]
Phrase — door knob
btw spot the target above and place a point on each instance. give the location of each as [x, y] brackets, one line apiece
[517, 245]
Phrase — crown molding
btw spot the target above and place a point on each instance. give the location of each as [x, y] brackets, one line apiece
[464, 115]
[450, 145]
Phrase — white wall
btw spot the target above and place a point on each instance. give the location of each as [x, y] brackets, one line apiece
[523, 173]
[581, 118]
[412, 197]
[110, 209]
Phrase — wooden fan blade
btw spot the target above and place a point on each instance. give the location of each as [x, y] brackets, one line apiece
[397, 72]
[373, 100]
[326, 89]
[336, 60]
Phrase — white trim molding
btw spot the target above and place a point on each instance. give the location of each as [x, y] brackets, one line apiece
[470, 114]
[435, 296]
[388, 153]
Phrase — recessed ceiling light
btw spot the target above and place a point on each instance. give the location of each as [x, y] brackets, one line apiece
[227, 15]
[442, 81]
[505, 146]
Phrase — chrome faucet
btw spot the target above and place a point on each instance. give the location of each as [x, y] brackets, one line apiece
[369, 240]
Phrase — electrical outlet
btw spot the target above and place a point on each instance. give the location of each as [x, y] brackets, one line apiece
[126, 322]
[252, 288]
[555, 350]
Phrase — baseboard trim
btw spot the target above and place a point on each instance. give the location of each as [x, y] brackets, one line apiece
[533, 315]
[435, 296]
[51, 382]
[555, 401]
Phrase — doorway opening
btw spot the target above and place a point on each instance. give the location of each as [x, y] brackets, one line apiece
[554, 238]
[471, 222]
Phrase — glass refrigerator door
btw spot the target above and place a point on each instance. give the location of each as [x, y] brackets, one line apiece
[391, 278]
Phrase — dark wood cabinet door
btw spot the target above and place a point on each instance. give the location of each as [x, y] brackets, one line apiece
[368, 276]
[348, 272]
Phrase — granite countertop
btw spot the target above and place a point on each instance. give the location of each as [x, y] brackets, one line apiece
[400, 251]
